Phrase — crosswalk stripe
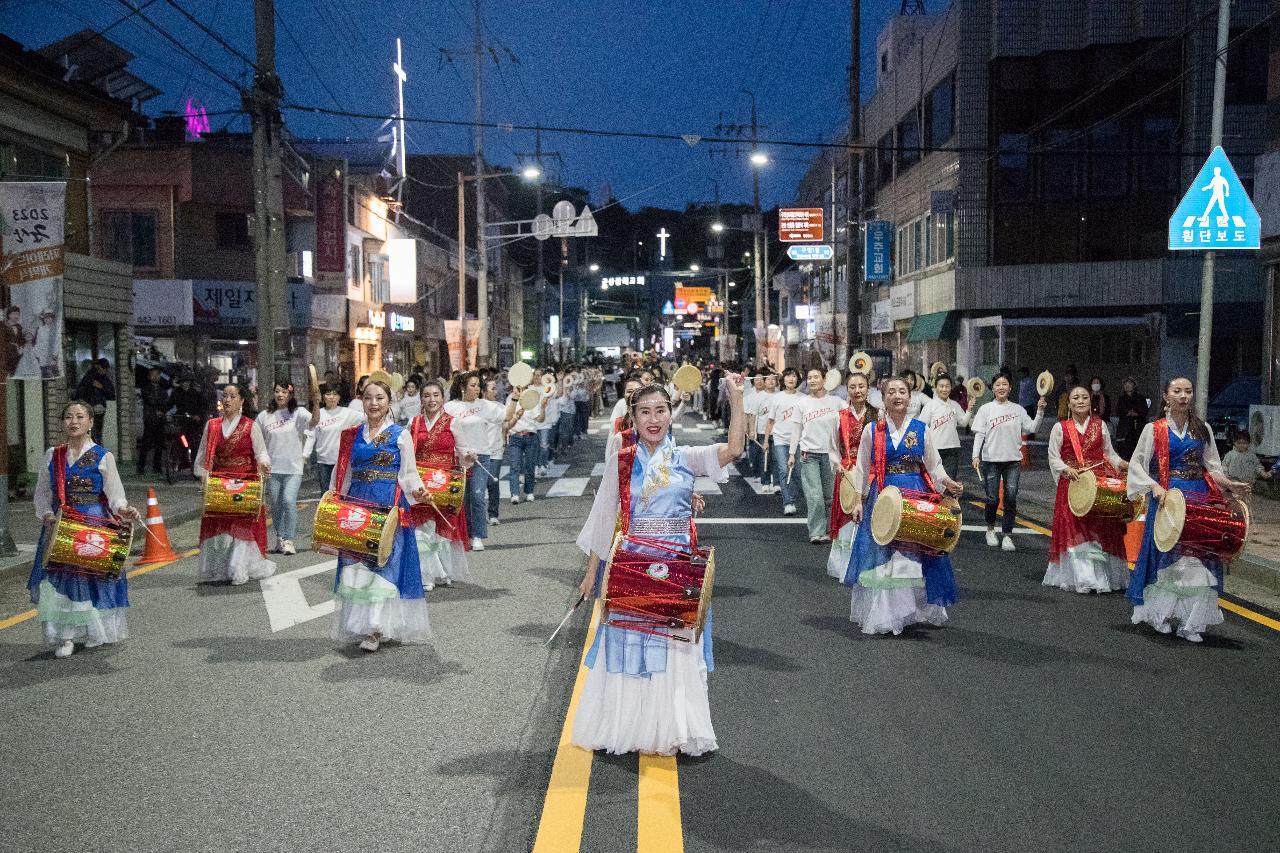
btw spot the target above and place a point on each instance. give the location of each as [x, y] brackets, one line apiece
[706, 486]
[568, 487]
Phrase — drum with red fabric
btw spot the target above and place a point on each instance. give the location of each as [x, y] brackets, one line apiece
[1069, 529]
[658, 586]
[1208, 526]
[233, 457]
[435, 450]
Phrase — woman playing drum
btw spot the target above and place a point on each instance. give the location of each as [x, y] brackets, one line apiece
[853, 420]
[896, 586]
[1086, 553]
[376, 465]
[233, 547]
[1176, 451]
[79, 476]
[646, 692]
[440, 529]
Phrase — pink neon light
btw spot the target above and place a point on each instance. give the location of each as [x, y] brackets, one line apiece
[197, 119]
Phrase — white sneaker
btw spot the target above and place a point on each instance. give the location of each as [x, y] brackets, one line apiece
[789, 509]
[1164, 628]
[286, 547]
[370, 644]
[65, 650]
[477, 544]
[494, 520]
[992, 539]
[1193, 637]
[1007, 544]
[528, 499]
[515, 499]
[279, 549]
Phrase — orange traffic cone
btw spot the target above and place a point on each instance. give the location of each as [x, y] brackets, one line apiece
[158, 548]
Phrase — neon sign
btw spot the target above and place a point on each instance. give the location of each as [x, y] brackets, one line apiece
[197, 119]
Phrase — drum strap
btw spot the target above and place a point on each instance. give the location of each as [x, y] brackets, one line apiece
[60, 474]
[851, 435]
[213, 437]
[345, 444]
[626, 461]
[1069, 427]
[880, 444]
[1160, 433]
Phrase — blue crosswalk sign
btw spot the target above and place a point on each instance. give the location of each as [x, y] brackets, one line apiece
[1216, 212]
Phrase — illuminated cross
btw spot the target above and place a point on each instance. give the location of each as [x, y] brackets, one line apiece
[401, 76]
[662, 236]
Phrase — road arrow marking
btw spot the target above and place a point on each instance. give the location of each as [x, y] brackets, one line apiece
[286, 604]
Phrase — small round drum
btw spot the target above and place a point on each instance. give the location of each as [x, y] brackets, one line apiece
[87, 545]
[859, 362]
[530, 399]
[360, 529]
[916, 520]
[1204, 527]
[225, 494]
[658, 587]
[687, 379]
[1104, 497]
[519, 374]
[849, 497]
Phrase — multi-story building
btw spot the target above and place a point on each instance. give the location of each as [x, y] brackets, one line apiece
[1028, 156]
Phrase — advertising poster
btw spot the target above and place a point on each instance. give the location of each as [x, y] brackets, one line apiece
[32, 214]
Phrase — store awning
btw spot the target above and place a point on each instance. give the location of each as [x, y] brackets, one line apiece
[932, 327]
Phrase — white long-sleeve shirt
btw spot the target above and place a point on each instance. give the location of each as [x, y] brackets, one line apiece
[943, 418]
[998, 429]
[820, 424]
[866, 447]
[327, 436]
[530, 420]
[477, 425]
[1060, 446]
[784, 414]
[408, 477]
[407, 408]
[286, 435]
[1140, 481]
[229, 426]
[764, 402]
[42, 498]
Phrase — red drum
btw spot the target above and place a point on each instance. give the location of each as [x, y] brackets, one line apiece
[664, 590]
[1206, 527]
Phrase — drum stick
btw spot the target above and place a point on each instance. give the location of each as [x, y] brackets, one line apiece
[581, 598]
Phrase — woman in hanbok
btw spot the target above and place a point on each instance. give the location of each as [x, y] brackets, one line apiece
[853, 420]
[646, 692]
[1085, 554]
[894, 587]
[234, 547]
[1177, 451]
[376, 465]
[440, 531]
[81, 476]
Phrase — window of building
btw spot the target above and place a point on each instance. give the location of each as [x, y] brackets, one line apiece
[940, 112]
[1060, 165]
[20, 163]
[884, 160]
[1108, 171]
[379, 284]
[232, 229]
[355, 268]
[908, 141]
[1013, 168]
[129, 236]
[917, 244]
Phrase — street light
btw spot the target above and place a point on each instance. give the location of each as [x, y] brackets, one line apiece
[717, 227]
[531, 173]
[759, 158]
[694, 267]
[595, 268]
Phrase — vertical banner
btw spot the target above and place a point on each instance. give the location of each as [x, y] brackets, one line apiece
[876, 264]
[331, 228]
[32, 251]
[462, 351]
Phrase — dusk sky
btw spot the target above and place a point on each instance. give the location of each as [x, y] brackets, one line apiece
[655, 66]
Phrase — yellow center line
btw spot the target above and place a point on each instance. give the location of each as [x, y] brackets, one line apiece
[659, 829]
[19, 618]
[564, 810]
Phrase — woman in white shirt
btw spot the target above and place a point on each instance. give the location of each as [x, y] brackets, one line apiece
[356, 403]
[943, 416]
[284, 425]
[476, 423]
[549, 428]
[782, 431]
[523, 451]
[819, 418]
[998, 428]
[409, 406]
[495, 450]
[327, 425]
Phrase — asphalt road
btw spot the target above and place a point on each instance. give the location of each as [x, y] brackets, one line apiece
[1035, 719]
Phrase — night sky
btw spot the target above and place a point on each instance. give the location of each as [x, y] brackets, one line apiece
[653, 65]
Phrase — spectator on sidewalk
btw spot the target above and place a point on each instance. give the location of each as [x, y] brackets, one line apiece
[97, 389]
[1070, 379]
[1241, 463]
[1131, 407]
[1101, 400]
[155, 403]
[1027, 391]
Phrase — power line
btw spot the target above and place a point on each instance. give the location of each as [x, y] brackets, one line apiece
[181, 47]
[230, 48]
[307, 59]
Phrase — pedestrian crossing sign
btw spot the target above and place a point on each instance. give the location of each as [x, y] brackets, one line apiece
[1216, 212]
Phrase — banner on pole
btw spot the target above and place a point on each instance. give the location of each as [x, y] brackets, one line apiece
[331, 228]
[463, 349]
[33, 216]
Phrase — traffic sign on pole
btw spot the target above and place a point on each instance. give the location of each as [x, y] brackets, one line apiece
[1216, 212]
[810, 252]
[800, 224]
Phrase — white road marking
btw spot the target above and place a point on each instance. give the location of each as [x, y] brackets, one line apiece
[597, 470]
[568, 487]
[981, 528]
[554, 471]
[286, 604]
[706, 486]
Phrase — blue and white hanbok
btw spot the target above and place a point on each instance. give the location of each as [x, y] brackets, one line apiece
[389, 601]
[1175, 586]
[646, 693]
[76, 607]
[895, 587]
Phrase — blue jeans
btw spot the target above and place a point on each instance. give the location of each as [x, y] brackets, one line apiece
[992, 474]
[780, 452]
[817, 480]
[522, 456]
[582, 415]
[566, 436]
[476, 499]
[755, 458]
[546, 441]
[491, 485]
[282, 501]
[325, 474]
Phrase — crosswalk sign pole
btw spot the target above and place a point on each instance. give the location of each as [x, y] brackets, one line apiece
[1206, 273]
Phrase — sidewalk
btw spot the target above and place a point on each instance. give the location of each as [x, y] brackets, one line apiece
[1254, 576]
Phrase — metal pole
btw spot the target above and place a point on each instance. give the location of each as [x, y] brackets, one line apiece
[462, 271]
[269, 254]
[7, 548]
[564, 259]
[853, 232]
[1206, 274]
[541, 282]
[482, 262]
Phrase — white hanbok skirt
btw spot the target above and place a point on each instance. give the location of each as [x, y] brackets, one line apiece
[64, 619]
[370, 604]
[891, 596]
[841, 547]
[1087, 568]
[226, 558]
[443, 561]
[1185, 593]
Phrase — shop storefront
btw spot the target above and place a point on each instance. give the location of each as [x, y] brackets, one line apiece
[365, 323]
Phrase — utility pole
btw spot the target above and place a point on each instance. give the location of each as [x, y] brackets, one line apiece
[482, 262]
[544, 346]
[853, 198]
[462, 269]
[1206, 275]
[757, 237]
[263, 105]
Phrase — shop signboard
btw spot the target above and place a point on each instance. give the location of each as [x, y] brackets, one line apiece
[881, 317]
[162, 302]
[234, 303]
[331, 228]
[876, 261]
[800, 225]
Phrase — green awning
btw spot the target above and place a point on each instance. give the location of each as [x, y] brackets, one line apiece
[932, 327]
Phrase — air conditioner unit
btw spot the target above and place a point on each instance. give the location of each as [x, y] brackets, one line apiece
[1264, 430]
